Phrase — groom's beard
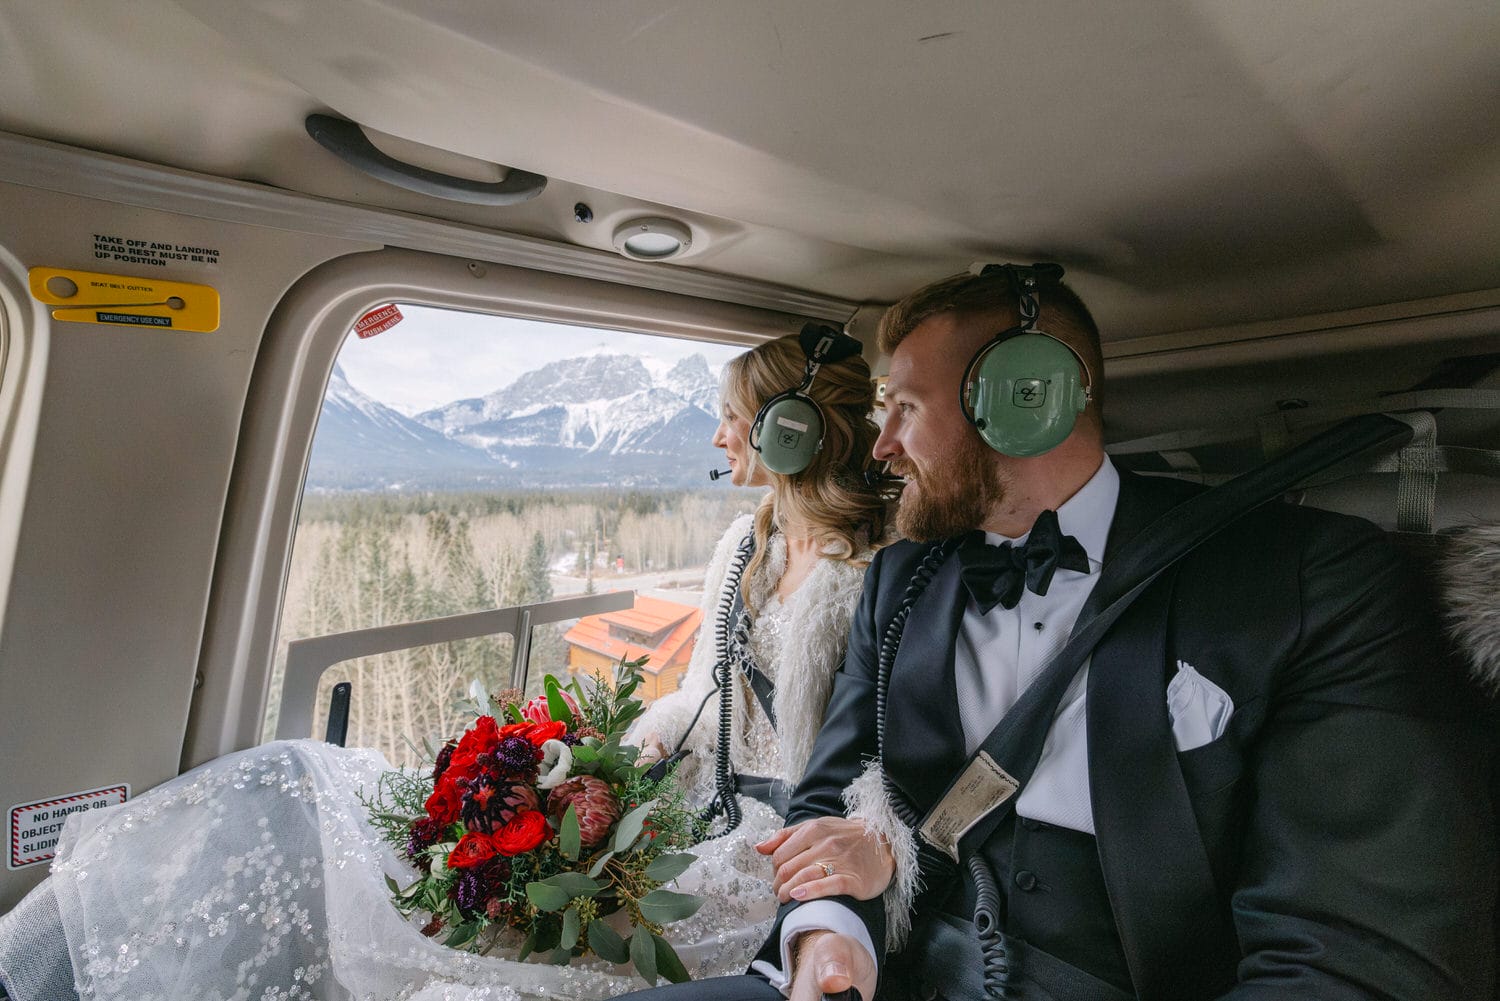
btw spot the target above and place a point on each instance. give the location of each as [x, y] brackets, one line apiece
[939, 503]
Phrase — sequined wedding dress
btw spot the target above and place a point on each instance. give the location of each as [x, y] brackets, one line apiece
[258, 878]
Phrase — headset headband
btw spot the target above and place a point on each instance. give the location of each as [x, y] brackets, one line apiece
[823, 345]
[1026, 281]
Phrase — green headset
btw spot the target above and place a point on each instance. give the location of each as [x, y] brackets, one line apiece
[1024, 389]
[788, 428]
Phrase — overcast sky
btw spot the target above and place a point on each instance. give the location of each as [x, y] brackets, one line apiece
[436, 356]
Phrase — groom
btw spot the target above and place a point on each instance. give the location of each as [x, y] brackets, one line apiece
[1260, 785]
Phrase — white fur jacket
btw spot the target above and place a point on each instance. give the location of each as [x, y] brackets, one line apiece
[818, 631]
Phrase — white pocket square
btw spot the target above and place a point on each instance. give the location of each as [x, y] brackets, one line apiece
[1199, 709]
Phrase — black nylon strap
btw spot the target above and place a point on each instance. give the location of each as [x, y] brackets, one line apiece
[1016, 741]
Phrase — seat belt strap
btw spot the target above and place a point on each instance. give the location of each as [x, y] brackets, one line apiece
[1005, 759]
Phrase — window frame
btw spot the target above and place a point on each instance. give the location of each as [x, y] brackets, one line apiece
[287, 388]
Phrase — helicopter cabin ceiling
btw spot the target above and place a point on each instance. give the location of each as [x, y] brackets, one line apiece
[1194, 163]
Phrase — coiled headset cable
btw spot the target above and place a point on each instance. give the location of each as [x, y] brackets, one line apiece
[725, 800]
[987, 893]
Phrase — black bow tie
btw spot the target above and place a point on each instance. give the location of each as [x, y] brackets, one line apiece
[996, 574]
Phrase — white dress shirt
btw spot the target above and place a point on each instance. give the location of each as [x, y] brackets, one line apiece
[996, 657]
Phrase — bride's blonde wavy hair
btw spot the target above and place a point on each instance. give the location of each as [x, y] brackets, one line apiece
[829, 499]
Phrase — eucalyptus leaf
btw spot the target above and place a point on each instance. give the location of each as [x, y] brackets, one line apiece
[557, 706]
[567, 834]
[527, 946]
[574, 884]
[663, 906]
[643, 955]
[583, 754]
[546, 897]
[560, 957]
[667, 963]
[599, 864]
[665, 867]
[629, 827]
[514, 714]
[394, 887]
[462, 934]
[547, 937]
[607, 943]
[569, 929]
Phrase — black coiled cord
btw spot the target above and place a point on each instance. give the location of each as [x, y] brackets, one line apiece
[987, 927]
[987, 905]
[725, 801]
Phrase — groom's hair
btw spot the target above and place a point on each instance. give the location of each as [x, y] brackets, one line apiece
[1063, 315]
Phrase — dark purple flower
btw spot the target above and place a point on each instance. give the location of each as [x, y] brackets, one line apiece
[468, 893]
[423, 834]
[515, 758]
[489, 804]
[443, 757]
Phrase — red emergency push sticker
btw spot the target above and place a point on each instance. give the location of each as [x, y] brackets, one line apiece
[378, 321]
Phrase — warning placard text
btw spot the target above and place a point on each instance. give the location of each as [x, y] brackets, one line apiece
[34, 827]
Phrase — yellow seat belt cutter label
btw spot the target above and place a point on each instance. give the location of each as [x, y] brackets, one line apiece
[122, 300]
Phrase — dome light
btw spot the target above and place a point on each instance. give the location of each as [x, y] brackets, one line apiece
[652, 239]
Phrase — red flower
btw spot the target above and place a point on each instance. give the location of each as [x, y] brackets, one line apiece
[525, 832]
[537, 733]
[540, 733]
[472, 849]
[594, 803]
[446, 800]
[480, 738]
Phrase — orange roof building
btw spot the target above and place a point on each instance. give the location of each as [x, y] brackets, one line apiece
[662, 631]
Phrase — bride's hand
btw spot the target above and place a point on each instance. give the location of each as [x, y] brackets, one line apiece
[829, 857]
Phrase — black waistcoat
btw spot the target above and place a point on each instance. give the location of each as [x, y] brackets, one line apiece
[1055, 901]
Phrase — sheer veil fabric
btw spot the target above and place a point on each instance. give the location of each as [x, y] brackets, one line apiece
[258, 877]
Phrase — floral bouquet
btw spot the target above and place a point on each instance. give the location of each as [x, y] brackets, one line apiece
[534, 830]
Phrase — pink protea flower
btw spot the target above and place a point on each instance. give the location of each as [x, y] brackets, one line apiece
[592, 799]
[536, 710]
[515, 799]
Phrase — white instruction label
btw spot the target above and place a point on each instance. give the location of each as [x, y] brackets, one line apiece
[984, 786]
[787, 422]
[34, 827]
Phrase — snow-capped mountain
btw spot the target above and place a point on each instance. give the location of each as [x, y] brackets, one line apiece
[691, 380]
[362, 442]
[599, 419]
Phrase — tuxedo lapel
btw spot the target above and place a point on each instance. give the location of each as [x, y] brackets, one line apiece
[924, 741]
[1155, 865]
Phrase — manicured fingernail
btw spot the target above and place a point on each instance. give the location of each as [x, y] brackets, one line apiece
[834, 969]
[799, 892]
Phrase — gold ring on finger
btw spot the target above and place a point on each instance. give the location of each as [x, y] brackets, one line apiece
[827, 869]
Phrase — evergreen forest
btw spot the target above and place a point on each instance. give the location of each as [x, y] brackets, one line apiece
[366, 559]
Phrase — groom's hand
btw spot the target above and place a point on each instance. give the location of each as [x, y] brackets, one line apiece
[829, 963]
[861, 863]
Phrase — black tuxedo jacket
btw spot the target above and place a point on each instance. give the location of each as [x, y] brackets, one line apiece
[1335, 843]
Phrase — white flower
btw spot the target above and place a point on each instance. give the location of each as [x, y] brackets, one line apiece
[557, 761]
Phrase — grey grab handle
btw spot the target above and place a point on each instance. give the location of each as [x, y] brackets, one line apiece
[347, 141]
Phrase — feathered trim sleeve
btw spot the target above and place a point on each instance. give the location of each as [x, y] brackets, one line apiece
[867, 800]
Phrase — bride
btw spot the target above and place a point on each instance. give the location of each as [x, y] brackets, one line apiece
[258, 876]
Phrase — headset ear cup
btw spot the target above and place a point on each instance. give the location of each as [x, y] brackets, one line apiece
[1027, 393]
[791, 432]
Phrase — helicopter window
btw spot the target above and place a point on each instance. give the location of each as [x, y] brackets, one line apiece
[467, 461]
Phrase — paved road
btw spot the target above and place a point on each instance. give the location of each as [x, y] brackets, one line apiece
[682, 586]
